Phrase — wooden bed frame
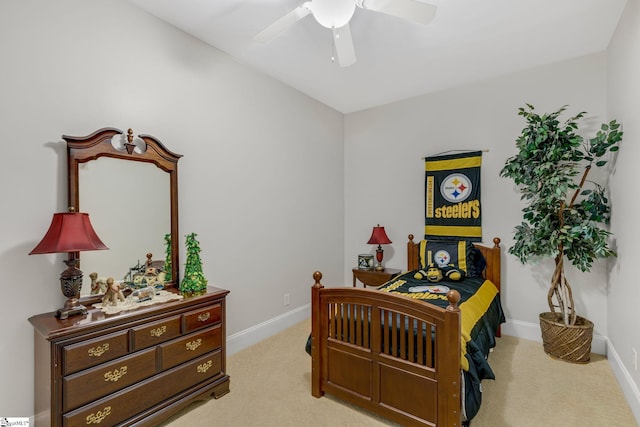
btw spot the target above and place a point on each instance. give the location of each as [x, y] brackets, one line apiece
[409, 381]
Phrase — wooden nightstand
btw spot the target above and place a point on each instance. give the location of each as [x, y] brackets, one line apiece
[373, 277]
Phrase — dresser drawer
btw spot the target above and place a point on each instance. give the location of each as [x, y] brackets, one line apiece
[155, 333]
[122, 406]
[199, 319]
[90, 353]
[189, 347]
[83, 387]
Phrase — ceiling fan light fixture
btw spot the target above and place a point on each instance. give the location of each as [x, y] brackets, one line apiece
[336, 14]
[333, 13]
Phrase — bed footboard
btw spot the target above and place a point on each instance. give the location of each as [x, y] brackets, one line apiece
[396, 357]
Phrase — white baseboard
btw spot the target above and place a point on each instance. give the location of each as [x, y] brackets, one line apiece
[628, 386]
[259, 332]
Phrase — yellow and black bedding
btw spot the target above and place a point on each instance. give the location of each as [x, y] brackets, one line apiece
[481, 316]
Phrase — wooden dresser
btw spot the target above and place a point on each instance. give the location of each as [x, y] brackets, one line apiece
[132, 368]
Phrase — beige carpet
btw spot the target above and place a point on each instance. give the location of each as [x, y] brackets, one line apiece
[271, 386]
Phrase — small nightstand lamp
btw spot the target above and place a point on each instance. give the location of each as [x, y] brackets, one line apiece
[70, 232]
[379, 237]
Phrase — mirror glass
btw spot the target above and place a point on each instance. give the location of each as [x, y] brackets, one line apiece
[129, 205]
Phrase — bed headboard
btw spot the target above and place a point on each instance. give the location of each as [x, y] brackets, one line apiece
[491, 254]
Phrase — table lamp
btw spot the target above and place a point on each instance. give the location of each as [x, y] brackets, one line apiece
[379, 237]
[70, 232]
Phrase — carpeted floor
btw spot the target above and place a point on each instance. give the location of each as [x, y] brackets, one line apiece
[271, 386]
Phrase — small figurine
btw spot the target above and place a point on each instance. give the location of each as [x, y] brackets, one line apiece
[137, 279]
[98, 284]
[150, 276]
[142, 295]
[113, 293]
[436, 274]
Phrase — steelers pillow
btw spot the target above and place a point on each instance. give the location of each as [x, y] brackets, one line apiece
[457, 253]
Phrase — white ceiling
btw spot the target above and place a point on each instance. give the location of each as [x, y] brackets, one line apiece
[467, 41]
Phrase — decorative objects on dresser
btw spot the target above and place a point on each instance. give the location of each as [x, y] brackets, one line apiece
[566, 215]
[137, 299]
[98, 284]
[113, 294]
[379, 237]
[151, 273]
[70, 232]
[194, 280]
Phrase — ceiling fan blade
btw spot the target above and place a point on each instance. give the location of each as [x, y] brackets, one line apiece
[344, 46]
[283, 23]
[411, 10]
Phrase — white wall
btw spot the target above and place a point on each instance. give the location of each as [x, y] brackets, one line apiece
[623, 103]
[266, 180]
[384, 178]
[261, 180]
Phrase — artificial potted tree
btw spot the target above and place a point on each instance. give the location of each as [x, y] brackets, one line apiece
[565, 216]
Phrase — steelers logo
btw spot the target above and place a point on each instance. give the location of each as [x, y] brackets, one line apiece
[442, 258]
[456, 188]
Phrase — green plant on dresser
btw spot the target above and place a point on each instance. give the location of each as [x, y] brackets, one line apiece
[194, 281]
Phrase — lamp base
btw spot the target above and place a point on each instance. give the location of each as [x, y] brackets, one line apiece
[65, 312]
[70, 284]
[379, 257]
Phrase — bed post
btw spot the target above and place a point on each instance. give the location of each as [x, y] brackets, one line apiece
[413, 257]
[494, 274]
[316, 310]
[449, 407]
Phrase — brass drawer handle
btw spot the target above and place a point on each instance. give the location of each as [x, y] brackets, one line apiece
[193, 345]
[99, 350]
[99, 416]
[205, 367]
[116, 374]
[204, 316]
[158, 331]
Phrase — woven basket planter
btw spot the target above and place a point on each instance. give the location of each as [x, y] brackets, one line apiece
[569, 343]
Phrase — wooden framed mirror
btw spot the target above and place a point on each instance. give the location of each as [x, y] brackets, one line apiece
[129, 187]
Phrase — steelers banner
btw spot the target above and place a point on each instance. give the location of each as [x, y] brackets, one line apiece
[452, 197]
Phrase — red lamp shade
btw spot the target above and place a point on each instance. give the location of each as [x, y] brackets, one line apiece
[69, 232]
[379, 236]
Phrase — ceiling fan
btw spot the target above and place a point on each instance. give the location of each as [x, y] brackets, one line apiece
[336, 14]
